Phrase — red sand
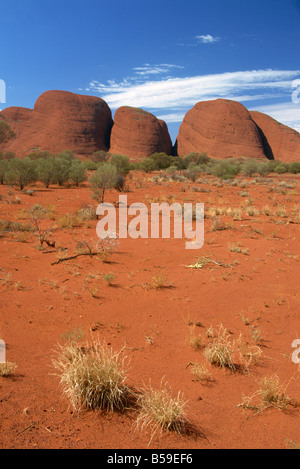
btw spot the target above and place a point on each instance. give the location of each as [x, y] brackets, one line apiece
[40, 302]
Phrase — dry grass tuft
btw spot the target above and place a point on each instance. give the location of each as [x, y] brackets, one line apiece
[221, 350]
[93, 376]
[270, 394]
[7, 369]
[159, 409]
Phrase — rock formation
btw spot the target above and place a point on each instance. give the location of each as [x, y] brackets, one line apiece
[138, 134]
[60, 121]
[283, 141]
[222, 128]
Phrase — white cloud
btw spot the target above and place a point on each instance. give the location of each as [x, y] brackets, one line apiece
[207, 39]
[157, 69]
[175, 94]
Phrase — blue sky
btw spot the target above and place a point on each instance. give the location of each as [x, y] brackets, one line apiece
[160, 55]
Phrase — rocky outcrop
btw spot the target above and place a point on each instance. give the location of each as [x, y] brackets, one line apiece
[222, 129]
[60, 121]
[138, 134]
[283, 141]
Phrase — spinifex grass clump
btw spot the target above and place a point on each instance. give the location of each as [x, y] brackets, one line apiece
[221, 350]
[7, 369]
[270, 394]
[93, 376]
[159, 409]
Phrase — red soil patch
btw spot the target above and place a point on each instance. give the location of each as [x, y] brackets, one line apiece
[40, 302]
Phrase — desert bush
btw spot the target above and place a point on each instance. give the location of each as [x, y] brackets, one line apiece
[281, 168]
[192, 172]
[90, 165]
[147, 165]
[100, 156]
[196, 158]
[61, 170]
[93, 376]
[121, 163]
[77, 172]
[69, 221]
[104, 178]
[36, 214]
[7, 226]
[21, 172]
[225, 169]
[162, 160]
[45, 170]
[294, 167]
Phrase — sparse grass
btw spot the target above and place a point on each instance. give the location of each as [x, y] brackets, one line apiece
[238, 249]
[93, 376]
[200, 372]
[159, 409]
[75, 335]
[69, 221]
[220, 351]
[270, 394]
[7, 369]
[108, 278]
[159, 280]
[218, 225]
[87, 212]
[196, 341]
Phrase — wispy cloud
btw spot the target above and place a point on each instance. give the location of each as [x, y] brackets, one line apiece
[178, 94]
[207, 39]
[157, 69]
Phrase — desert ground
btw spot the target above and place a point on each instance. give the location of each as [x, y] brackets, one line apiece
[163, 305]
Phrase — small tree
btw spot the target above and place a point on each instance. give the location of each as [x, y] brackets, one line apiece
[36, 214]
[147, 165]
[121, 162]
[162, 160]
[78, 172]
[192, 172]
[45, 170]
[100, 156]
[104, 178]
[21, 172]
[62, 168]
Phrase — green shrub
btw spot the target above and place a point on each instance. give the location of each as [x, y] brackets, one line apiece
[104, 178]
[121, 163]
[294, 167]
[45, 170]
[21, 172]
[162, 160]
[148, 165]
[77, 172]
